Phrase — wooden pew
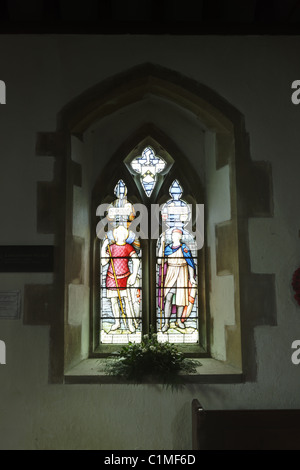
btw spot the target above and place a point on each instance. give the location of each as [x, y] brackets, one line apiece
[245, 429]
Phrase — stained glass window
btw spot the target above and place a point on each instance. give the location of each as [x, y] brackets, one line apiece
[120, 274]
[148, 166]
[176, 273]
[175, 268]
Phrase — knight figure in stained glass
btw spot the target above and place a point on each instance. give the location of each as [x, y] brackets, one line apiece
[177, 310]
[119, 278]
[120, 275]
[180, 273]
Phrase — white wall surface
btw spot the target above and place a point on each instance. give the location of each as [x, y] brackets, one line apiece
[42, 74]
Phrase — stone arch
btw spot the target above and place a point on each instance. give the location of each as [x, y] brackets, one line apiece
[231, 244]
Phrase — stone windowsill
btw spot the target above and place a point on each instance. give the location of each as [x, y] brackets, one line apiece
[91, 371]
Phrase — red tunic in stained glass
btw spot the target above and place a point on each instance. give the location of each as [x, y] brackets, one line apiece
[120, 257]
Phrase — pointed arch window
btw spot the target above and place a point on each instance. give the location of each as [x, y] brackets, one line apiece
[151, 281]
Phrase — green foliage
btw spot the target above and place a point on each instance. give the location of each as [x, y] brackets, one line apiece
[162, 362]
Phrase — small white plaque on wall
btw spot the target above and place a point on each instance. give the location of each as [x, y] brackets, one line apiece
[10, 305]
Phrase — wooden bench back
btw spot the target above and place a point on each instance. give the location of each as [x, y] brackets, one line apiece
[245, 429]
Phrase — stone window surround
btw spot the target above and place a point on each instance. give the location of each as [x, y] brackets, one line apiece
[247, 200]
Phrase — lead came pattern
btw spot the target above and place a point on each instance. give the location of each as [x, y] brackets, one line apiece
[176, 274]
[120, 275]
[148, 166]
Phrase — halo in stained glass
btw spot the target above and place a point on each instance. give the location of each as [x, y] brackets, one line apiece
[148, 166]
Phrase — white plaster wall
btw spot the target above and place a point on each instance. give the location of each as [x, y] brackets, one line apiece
[114, 129]
[42, 74]
[218, 209]
[79, 294]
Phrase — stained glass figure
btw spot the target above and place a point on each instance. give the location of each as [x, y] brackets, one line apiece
[120, 275]
[148, 166]
[177, 310]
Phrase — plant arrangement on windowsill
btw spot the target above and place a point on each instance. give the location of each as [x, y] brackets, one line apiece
[151, 360]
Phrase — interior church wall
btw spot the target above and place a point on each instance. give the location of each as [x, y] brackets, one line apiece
[218, 210]
[43, 74]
